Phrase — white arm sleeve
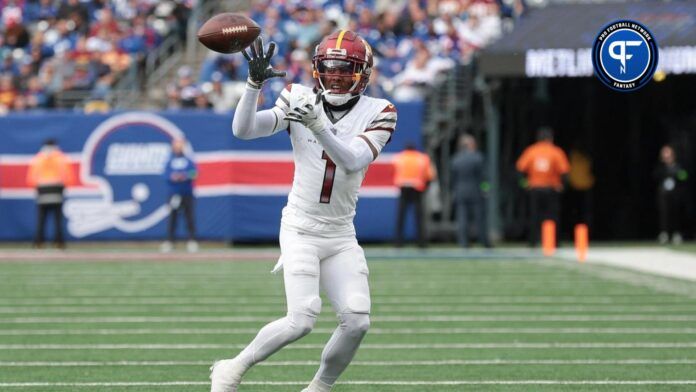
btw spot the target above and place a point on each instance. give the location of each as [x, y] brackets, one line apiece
[364, 148]
[353, 156]
[250, 124]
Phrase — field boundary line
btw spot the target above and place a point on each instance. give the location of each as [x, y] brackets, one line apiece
[481, 362]
[627, 274]
[434, 319]
[356, 382]
[368, 346]
[373, 331]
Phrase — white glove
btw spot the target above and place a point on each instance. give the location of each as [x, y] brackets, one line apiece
[308, 111]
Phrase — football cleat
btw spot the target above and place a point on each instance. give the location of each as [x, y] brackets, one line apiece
[192, 246]
[225, 376]
[166, 247]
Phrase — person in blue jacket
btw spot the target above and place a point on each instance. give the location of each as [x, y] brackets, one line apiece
[180, 173]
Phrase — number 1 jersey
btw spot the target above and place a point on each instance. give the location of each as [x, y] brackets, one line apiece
[323, 196]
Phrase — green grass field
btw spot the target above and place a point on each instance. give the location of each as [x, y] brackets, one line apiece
[438, 325]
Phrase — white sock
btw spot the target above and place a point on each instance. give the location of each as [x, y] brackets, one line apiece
[237, 369]
[318, 386]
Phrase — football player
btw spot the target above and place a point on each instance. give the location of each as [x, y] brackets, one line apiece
[336, 132]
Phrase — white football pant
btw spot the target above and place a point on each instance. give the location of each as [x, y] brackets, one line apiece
[338, 266]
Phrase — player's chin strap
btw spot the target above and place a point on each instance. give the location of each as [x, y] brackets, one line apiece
[339, 105]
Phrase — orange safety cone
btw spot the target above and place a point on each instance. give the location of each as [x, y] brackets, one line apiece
[582, 241]
[548, 237]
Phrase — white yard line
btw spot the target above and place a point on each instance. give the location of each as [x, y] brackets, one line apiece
[377, 300]
[373, 331]
[374, 346]
[355, 382]
[434, 319]
[452, 362]
[381, 309]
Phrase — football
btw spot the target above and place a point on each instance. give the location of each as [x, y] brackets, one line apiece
[228, 32]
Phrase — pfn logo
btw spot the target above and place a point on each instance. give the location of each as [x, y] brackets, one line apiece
[624, 55]
[621, 55]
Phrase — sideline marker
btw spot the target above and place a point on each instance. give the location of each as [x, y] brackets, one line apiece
[548, 237]
[581, 241]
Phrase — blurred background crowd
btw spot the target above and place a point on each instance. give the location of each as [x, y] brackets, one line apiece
[414, 41]
[50, 47]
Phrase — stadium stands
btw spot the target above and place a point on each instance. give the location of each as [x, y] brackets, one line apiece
[55, 52]
[414, 42]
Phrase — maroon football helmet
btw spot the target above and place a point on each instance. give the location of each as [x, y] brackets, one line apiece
[342, 64]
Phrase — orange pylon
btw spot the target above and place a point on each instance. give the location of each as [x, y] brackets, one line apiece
[582, 241]
[548, 237]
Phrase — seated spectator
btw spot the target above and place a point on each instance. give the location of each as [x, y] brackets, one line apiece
[11, 12]
[116, 60]
[419, 75]
[187, 87]
[77, 13]
[26, 72]
[202, 102]
[376, 88]
[41, 10]
[139, 39]
[8, 65]
[306, 29]
[16, 35]
[100, 42]
[8, 91]
[173, 97]
[35, 94]
[61, 36]
[105, 24]
[82, 77]
[223, 95]
[19, 104]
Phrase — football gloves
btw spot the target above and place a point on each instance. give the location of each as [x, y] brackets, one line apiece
[308, 112]
[260, 68]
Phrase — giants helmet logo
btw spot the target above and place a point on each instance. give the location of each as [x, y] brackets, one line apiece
[122, 159]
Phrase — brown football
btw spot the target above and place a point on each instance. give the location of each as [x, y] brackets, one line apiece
[228, 32]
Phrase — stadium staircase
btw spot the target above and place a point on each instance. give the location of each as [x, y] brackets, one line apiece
[448, 113]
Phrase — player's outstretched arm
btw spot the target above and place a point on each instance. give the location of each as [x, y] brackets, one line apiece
[247, 123]
[351, 156]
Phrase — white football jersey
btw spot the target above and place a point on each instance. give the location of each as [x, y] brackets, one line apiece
[323, 196]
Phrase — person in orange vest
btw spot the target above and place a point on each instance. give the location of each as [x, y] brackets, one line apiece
[50, 172]
[544, 164]
[413, 171]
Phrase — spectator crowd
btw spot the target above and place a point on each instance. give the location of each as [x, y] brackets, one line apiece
[414, 41]
[51, 46]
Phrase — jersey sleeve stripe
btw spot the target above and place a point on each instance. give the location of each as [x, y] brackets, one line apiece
[369, 144]
[385, 120]
[390, 130]
[386, 115]
[285, 100]
[388, 124]
[389, 109]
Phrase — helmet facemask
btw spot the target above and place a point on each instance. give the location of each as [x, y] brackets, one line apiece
[339, 80]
